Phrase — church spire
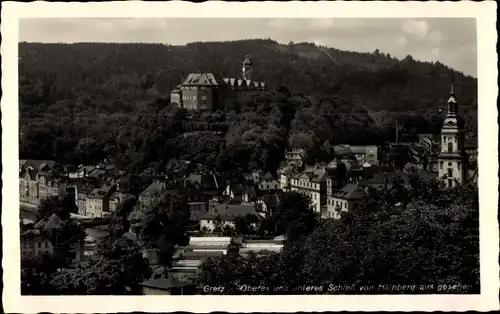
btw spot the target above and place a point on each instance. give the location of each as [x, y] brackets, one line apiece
[452, 101]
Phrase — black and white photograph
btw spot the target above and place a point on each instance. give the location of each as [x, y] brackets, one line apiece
[318, 156]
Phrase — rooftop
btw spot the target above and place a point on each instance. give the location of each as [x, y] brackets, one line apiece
[201, 79]
[349, 192]
[153, 188]
[229, 212]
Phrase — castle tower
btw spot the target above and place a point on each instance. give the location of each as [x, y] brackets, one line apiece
[452, 158]
[246, 69]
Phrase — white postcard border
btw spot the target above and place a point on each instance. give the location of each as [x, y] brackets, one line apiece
[485, 14]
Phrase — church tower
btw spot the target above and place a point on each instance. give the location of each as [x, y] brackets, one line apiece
[452, 158]
[246, 69]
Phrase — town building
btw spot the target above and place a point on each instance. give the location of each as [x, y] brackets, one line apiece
[197, 210]
[97, 203]
[285, 174]
[365, 154]
[44, 238]
[312, 182]
[153, 192]
[239, 192]
[224, 215]
[269, 182]
[471, 148]
[453, 160]
[35, 185]
[344, 200]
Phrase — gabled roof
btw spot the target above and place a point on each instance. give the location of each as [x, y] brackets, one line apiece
[228, 212]
[155, 187]
[341, 150]
[271, 200]
[349, 192]
[268, 177]
[239, 189]
[38, 164]
[97, 194]
[51, 222]
[202, 79]
[204, 180]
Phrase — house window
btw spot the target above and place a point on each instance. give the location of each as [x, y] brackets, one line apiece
[450, 173]
[450, 147]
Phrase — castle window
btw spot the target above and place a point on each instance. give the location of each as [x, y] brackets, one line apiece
[450, 147]
[449, 164]
[450, 173]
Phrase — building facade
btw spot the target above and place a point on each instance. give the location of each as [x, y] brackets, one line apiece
[312, 182]
[343, 200]
[452, 159]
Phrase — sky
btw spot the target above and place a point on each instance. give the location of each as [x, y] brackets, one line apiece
[451, 41]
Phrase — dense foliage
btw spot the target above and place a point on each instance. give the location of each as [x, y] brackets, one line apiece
[82, 103]
[430, 243]
[118, 268]
[161, 224]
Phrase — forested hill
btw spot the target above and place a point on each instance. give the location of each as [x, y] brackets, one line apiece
[85, 101]
[375, 80]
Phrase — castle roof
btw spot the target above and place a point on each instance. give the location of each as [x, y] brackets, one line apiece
[202, 79]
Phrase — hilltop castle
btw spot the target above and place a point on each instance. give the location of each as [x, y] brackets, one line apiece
[205, 91]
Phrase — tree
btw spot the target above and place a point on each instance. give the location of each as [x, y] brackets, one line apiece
[119, 223]
[161, 224]
[295, 217]
[53, 205]
[421, 243]
[36, 273]
[429, 242]
[245, 225]
[70, 233]
[118, 268]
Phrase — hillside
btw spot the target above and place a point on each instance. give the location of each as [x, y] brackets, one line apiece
[91, 86]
